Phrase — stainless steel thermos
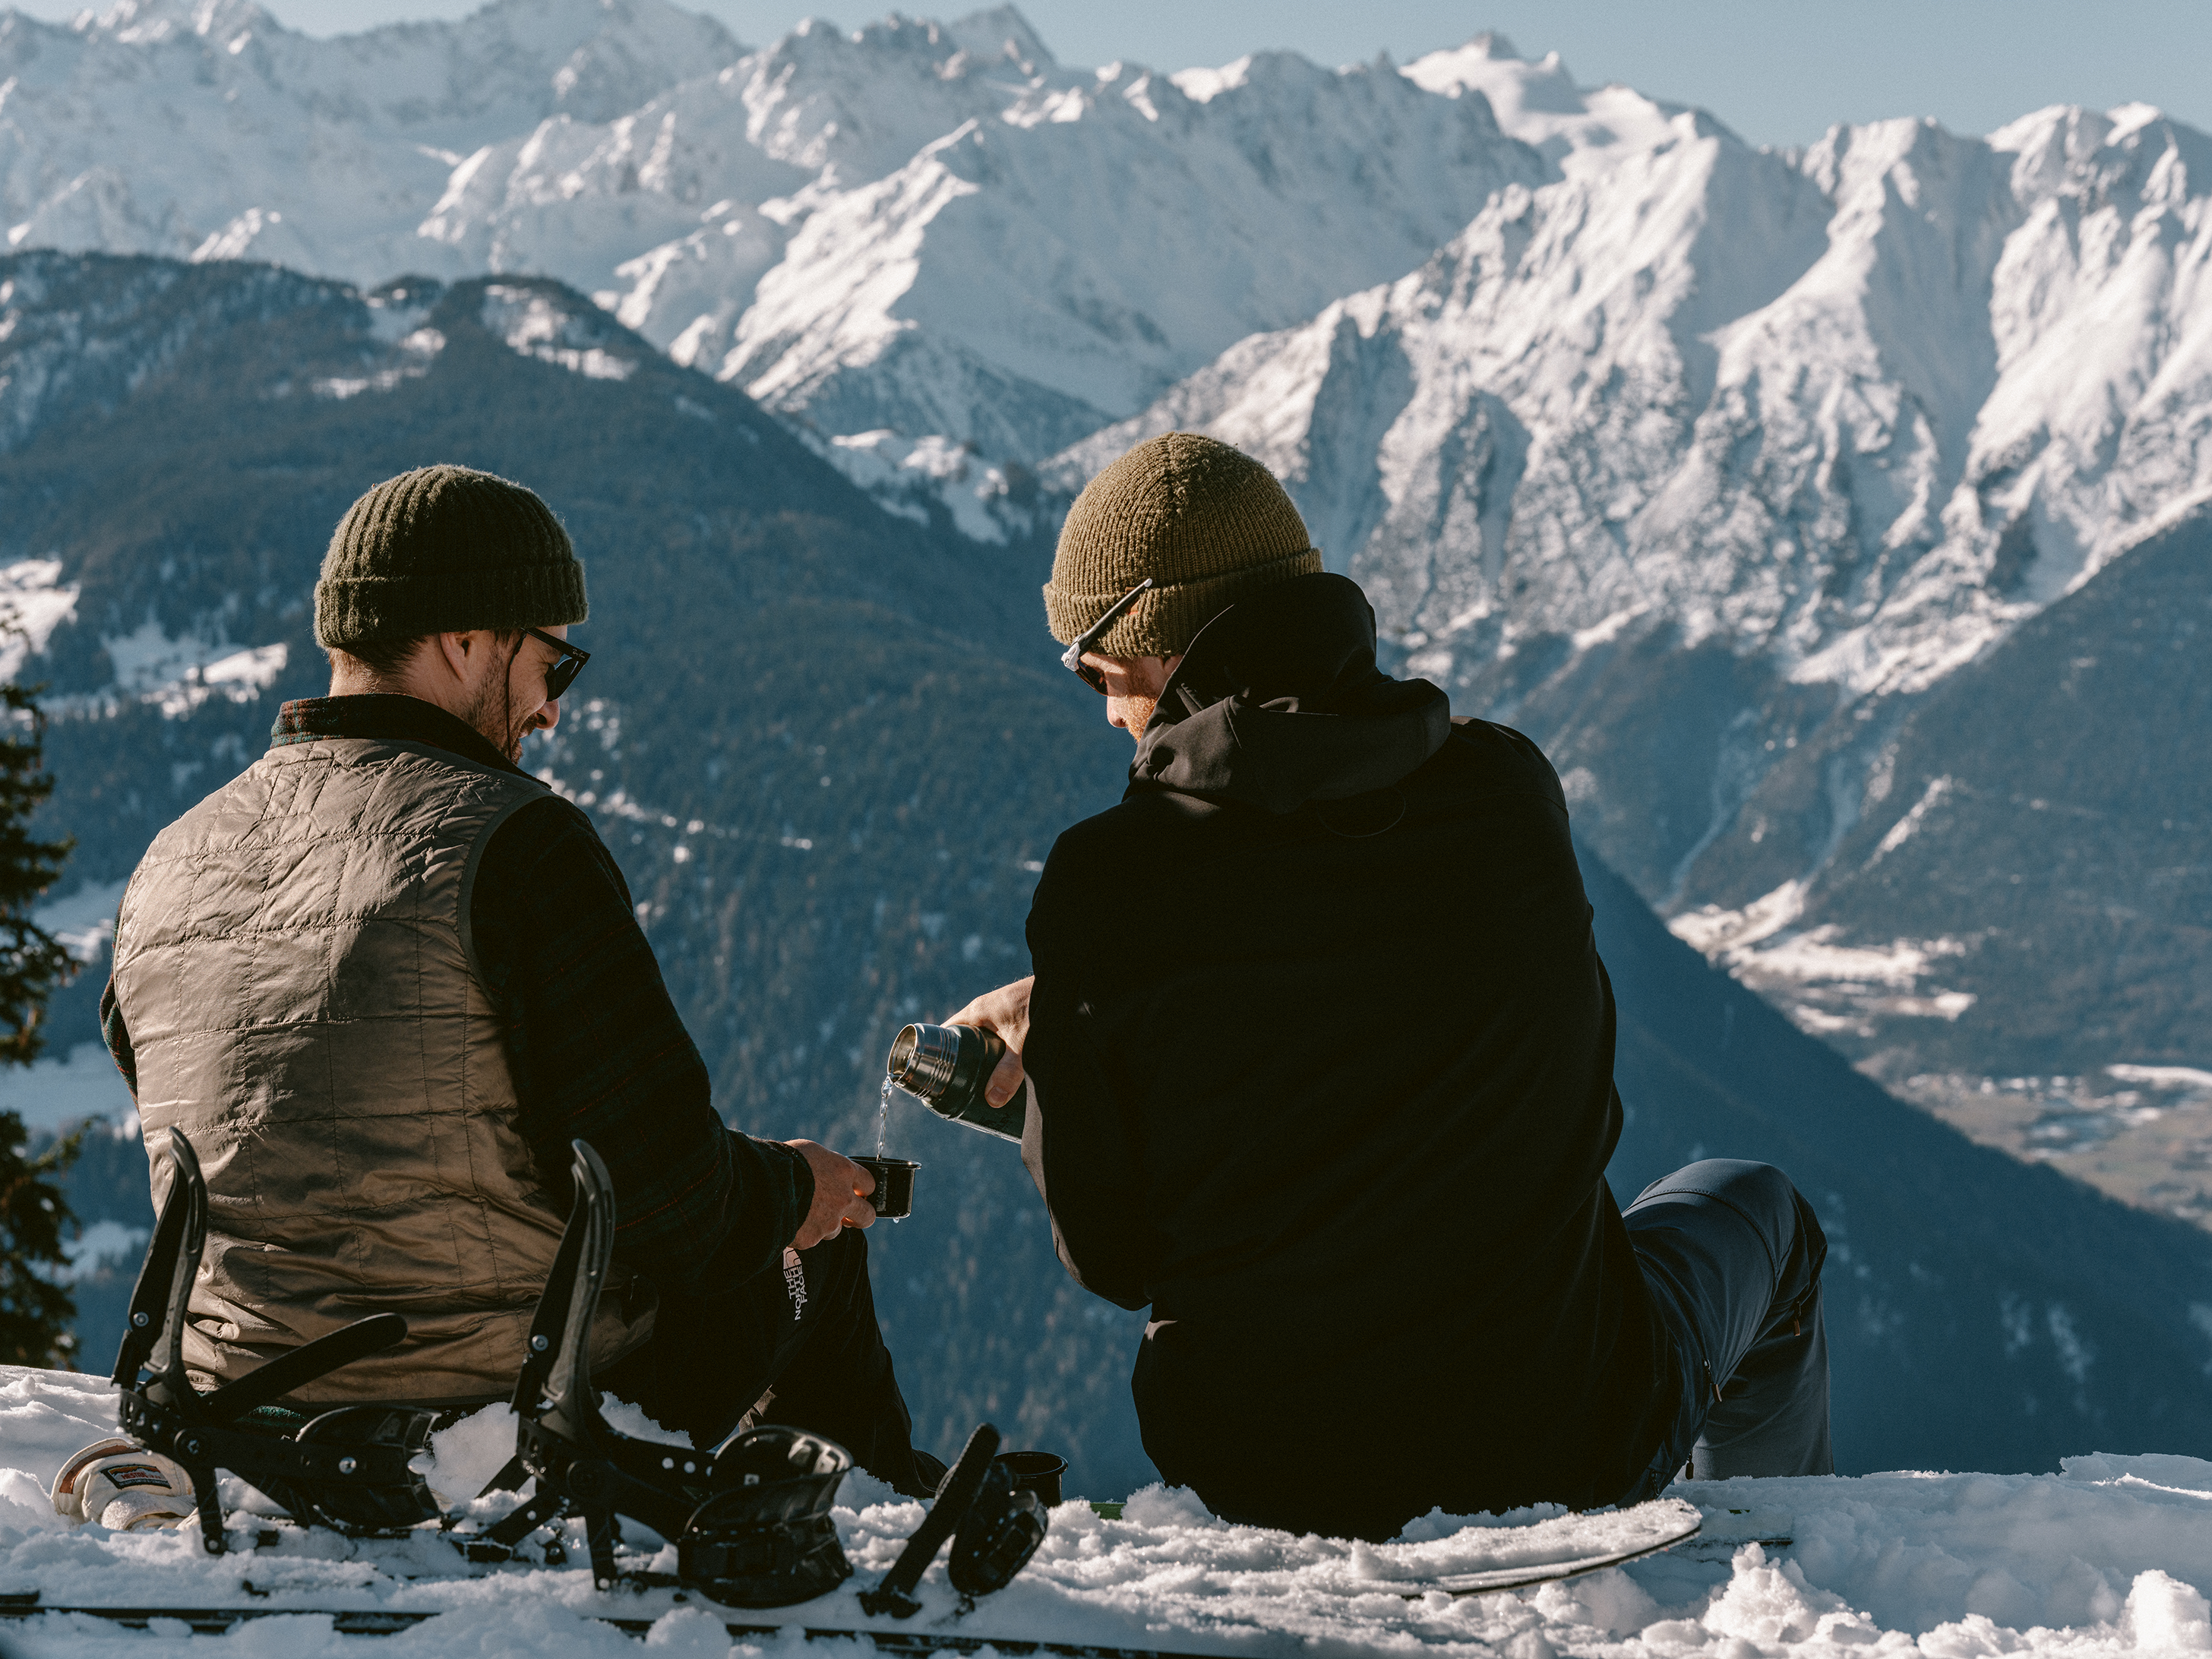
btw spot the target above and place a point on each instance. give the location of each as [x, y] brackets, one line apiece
[946, 1067]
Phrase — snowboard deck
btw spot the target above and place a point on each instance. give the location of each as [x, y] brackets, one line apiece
[1634, 1534]
[376, 1621]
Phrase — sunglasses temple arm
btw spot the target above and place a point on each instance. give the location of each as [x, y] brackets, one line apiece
[1096, 631]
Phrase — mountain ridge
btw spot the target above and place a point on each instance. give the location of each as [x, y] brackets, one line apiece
[1712, 467]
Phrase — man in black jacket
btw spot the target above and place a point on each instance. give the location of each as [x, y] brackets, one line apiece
[1322, 1051]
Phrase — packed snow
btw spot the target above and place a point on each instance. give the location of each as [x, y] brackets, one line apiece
[2108, 1556]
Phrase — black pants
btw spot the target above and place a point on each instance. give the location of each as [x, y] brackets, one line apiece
[716, 1350]
[1731, 1255]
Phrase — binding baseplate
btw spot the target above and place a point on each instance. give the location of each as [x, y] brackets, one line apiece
[347, 1468]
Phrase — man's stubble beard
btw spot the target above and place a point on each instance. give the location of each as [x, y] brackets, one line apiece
[1138, 711]
[493, 715]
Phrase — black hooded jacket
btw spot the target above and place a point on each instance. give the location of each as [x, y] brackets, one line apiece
[1323, 1057]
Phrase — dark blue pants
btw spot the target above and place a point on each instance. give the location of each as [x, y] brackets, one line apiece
[1731, 1252]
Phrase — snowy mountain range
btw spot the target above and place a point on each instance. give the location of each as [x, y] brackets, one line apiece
[1728, 473]
[829, 748]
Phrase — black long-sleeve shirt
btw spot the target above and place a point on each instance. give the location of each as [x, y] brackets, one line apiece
[597, 1050]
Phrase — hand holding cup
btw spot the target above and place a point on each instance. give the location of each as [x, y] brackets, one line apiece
[843, 1195]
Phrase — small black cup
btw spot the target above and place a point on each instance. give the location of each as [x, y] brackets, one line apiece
[893, 1198]
[1037, 1472]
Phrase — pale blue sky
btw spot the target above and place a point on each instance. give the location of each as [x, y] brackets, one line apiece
[1778, 71]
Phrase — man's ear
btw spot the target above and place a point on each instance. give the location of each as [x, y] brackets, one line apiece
[457, 650]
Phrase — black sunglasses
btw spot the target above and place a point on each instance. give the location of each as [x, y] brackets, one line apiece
[561, 673]
[1072, 657]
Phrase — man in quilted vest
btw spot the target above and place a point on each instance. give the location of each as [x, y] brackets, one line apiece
[385, 977]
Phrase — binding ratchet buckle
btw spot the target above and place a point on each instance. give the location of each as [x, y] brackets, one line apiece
[347, 1468]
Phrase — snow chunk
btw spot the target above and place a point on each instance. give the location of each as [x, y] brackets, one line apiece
[464, 1458]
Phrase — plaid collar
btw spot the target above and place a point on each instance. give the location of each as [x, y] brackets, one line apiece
[388, 715]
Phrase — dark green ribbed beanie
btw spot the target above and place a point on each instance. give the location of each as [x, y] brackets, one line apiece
[443, 549]
[1207, 523]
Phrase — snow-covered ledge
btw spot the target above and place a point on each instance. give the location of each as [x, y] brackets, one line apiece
[2108, 1557]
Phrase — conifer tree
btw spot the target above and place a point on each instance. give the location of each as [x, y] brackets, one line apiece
[35, 1311]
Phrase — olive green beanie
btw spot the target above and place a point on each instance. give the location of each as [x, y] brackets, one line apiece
[1206, 524]
[443, 549]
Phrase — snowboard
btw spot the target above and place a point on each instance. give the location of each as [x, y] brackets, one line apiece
[218, 1621]
[1536, 1552]
[1471, 1562]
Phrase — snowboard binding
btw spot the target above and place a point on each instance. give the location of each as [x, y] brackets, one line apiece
[994, 1527]
[347, 1468]
[750, 1520]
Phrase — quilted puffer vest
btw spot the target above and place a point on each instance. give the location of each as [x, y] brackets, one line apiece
[293, 962]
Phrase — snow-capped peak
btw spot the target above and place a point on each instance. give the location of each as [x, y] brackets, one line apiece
[1539, 103]
[1970, 364]
[142, 21]
[1000, 34]
[1202, 86]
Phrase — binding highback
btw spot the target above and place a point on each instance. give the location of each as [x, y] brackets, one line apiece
[347, 1468]
[751, 1520]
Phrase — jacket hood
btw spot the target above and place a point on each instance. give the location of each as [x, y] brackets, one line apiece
[1278, 702]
